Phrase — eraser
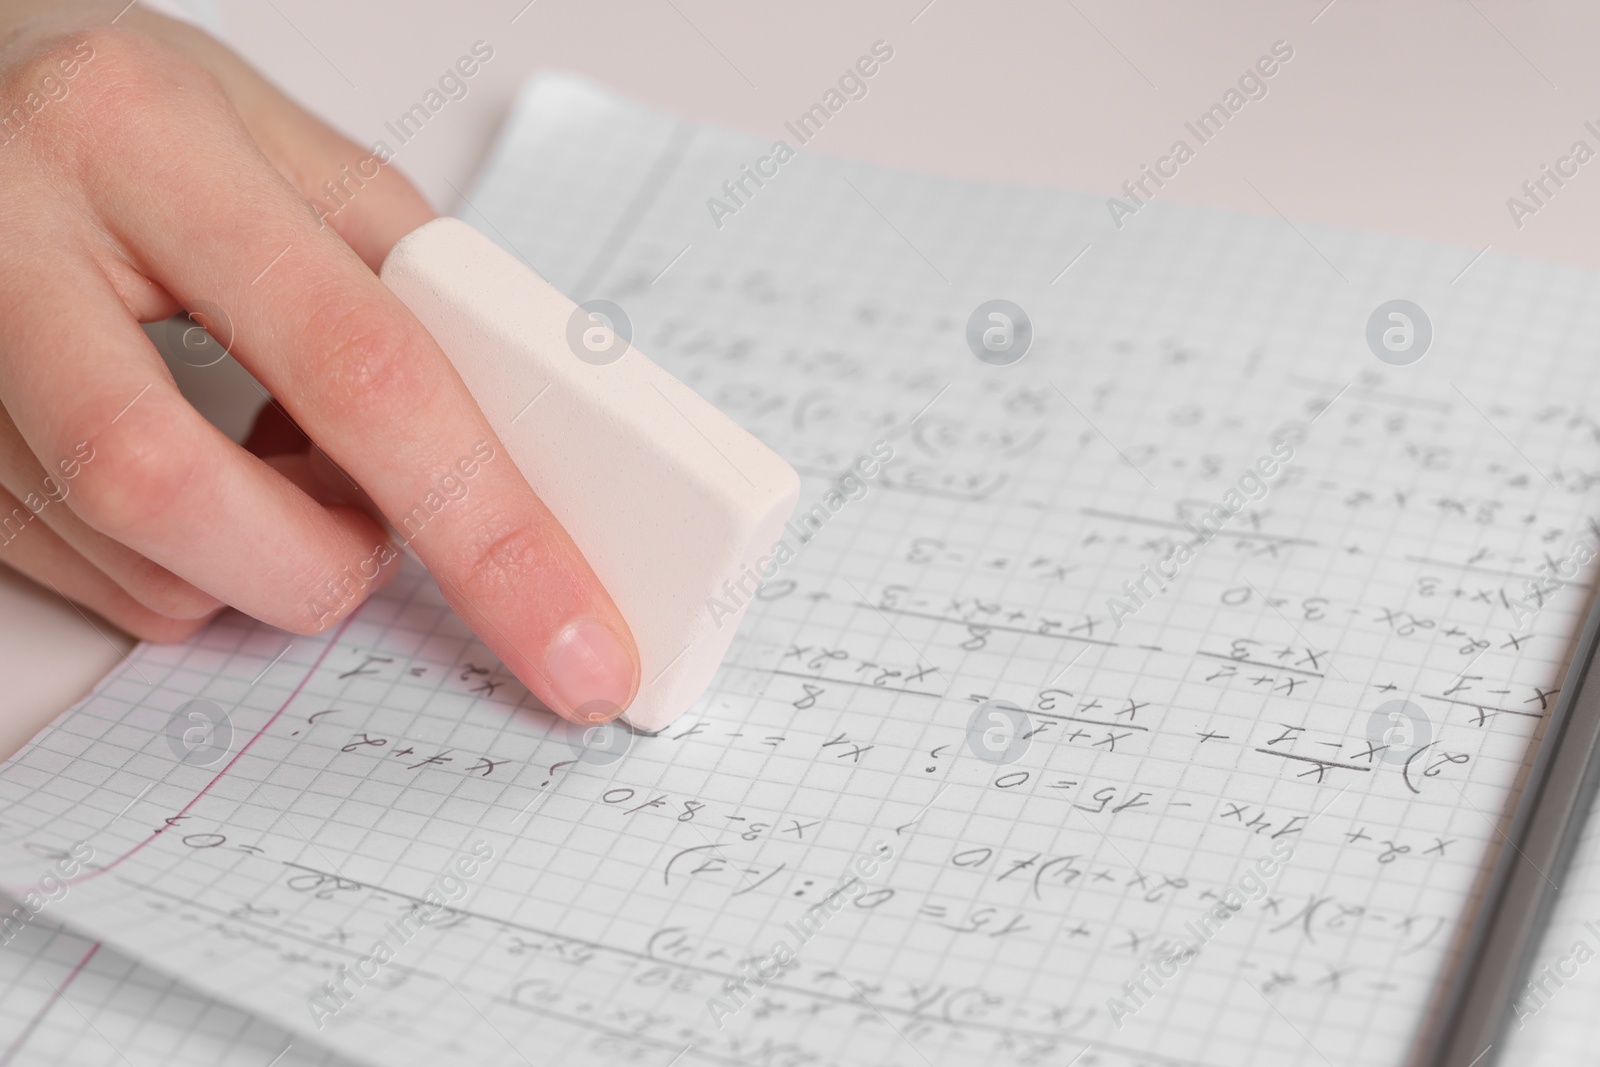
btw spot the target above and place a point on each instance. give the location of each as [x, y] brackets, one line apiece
[665, 496]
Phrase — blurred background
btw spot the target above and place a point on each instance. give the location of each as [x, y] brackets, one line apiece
[1419, 118]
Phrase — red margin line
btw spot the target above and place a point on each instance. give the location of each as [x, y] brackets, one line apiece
[60, 993]
[332, 641]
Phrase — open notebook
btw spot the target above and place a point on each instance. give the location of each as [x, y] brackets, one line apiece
[829, 859]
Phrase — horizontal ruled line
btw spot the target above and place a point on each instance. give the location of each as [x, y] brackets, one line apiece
[848, 681]
[1091, 722]
[1484, 707]
[1465, 567]
[1313, 759]
[989, 625]
[1258, 663]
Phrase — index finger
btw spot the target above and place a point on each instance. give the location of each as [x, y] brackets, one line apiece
[366, 382]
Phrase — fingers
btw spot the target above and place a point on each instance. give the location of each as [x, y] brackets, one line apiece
[366, 201]
[274, 434]
[31, 548]
[82, 381]
[43, 493]
[363, 379]
[349, 364]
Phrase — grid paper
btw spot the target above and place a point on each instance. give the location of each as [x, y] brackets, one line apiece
[70, 1001]
[1229, 717]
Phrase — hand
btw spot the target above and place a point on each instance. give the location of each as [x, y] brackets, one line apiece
[146, 170]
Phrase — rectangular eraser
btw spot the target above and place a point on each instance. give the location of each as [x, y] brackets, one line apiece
[665, 496]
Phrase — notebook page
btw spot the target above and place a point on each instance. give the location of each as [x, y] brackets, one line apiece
[947, 888]
[67, 999]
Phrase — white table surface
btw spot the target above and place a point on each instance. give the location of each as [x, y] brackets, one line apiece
[1397, 116]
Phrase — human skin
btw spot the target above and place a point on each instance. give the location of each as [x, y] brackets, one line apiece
[162, 173]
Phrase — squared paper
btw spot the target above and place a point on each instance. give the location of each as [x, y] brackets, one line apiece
[1229, 720]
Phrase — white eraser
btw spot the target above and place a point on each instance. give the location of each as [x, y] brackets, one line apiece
[665, 496]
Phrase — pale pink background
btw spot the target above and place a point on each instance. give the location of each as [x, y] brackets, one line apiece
[1408, 117]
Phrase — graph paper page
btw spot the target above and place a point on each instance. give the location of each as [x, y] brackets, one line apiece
[1213, 840]
[67, 1000]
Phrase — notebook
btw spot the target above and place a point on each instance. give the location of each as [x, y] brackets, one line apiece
[1157, 700]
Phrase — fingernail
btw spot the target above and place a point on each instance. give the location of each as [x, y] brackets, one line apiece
[591, 671]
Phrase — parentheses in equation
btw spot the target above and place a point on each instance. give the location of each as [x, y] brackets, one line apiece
[668, 939]
[1039, 873]
[311, 720]
[666, 872]
[919, 435]
[1307, 923]
[1405, 771]
[803, 407]
[555, 767]
[955, 1009]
